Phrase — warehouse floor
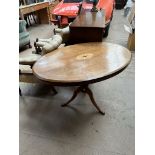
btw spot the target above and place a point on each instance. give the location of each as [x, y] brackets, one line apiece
[48, 129]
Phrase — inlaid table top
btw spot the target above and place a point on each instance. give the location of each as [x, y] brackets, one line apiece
[86, 62]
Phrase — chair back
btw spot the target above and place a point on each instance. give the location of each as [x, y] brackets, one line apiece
[22, 26]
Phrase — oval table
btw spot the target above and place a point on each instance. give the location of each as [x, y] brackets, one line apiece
[81, 65]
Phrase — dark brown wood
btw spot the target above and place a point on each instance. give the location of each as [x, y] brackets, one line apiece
[43, 16]
[73, 97]
[20, 92]
[87, 27]
[82, 64]
[90, 19]
[89, 92]
[84, 89]
[54, 90]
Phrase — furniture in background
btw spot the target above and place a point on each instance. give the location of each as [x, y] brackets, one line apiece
[64, 32]
[38, 9]
[131, 42]
[26, 76]
[27, 2]
[128, 7]
[81, 65]
[119, 4]
[87, 27]
[44, 46]
[29, 17]
[130, 28]
[25, 69]
[24, 37]
[26, 61]
[51, 7]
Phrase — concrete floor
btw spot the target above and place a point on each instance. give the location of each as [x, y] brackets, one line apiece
[48, 129]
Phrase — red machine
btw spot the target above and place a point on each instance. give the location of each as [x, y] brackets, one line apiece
[67, 10]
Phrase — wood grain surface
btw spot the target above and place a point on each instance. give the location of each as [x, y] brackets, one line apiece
[33, 7]
[90, 19]
[82, 62]
[87, 27]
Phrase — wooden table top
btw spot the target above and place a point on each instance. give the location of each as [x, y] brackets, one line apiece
[84, 62]
[33, 7]
[90, 19]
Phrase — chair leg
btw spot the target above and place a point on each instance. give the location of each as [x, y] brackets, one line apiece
[30, 45]
[31, 65]
[20, 92]
[54, 31]
[54, 90]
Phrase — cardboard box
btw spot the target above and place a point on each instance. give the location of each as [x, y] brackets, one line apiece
[131, 42]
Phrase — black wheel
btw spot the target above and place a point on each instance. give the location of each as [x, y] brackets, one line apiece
[106, 32]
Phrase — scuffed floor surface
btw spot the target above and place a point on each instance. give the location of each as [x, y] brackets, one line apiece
[48, 129]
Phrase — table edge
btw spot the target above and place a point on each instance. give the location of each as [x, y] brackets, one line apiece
[91, 81]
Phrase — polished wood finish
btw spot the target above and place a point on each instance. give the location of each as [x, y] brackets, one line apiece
[81, 65]
[87, 27]
[90, 19]
[81, 62]
[84, 89]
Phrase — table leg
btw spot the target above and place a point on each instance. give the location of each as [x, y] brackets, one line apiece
[20, 92]
[84, 89]
[90, 94]
[73, 97]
